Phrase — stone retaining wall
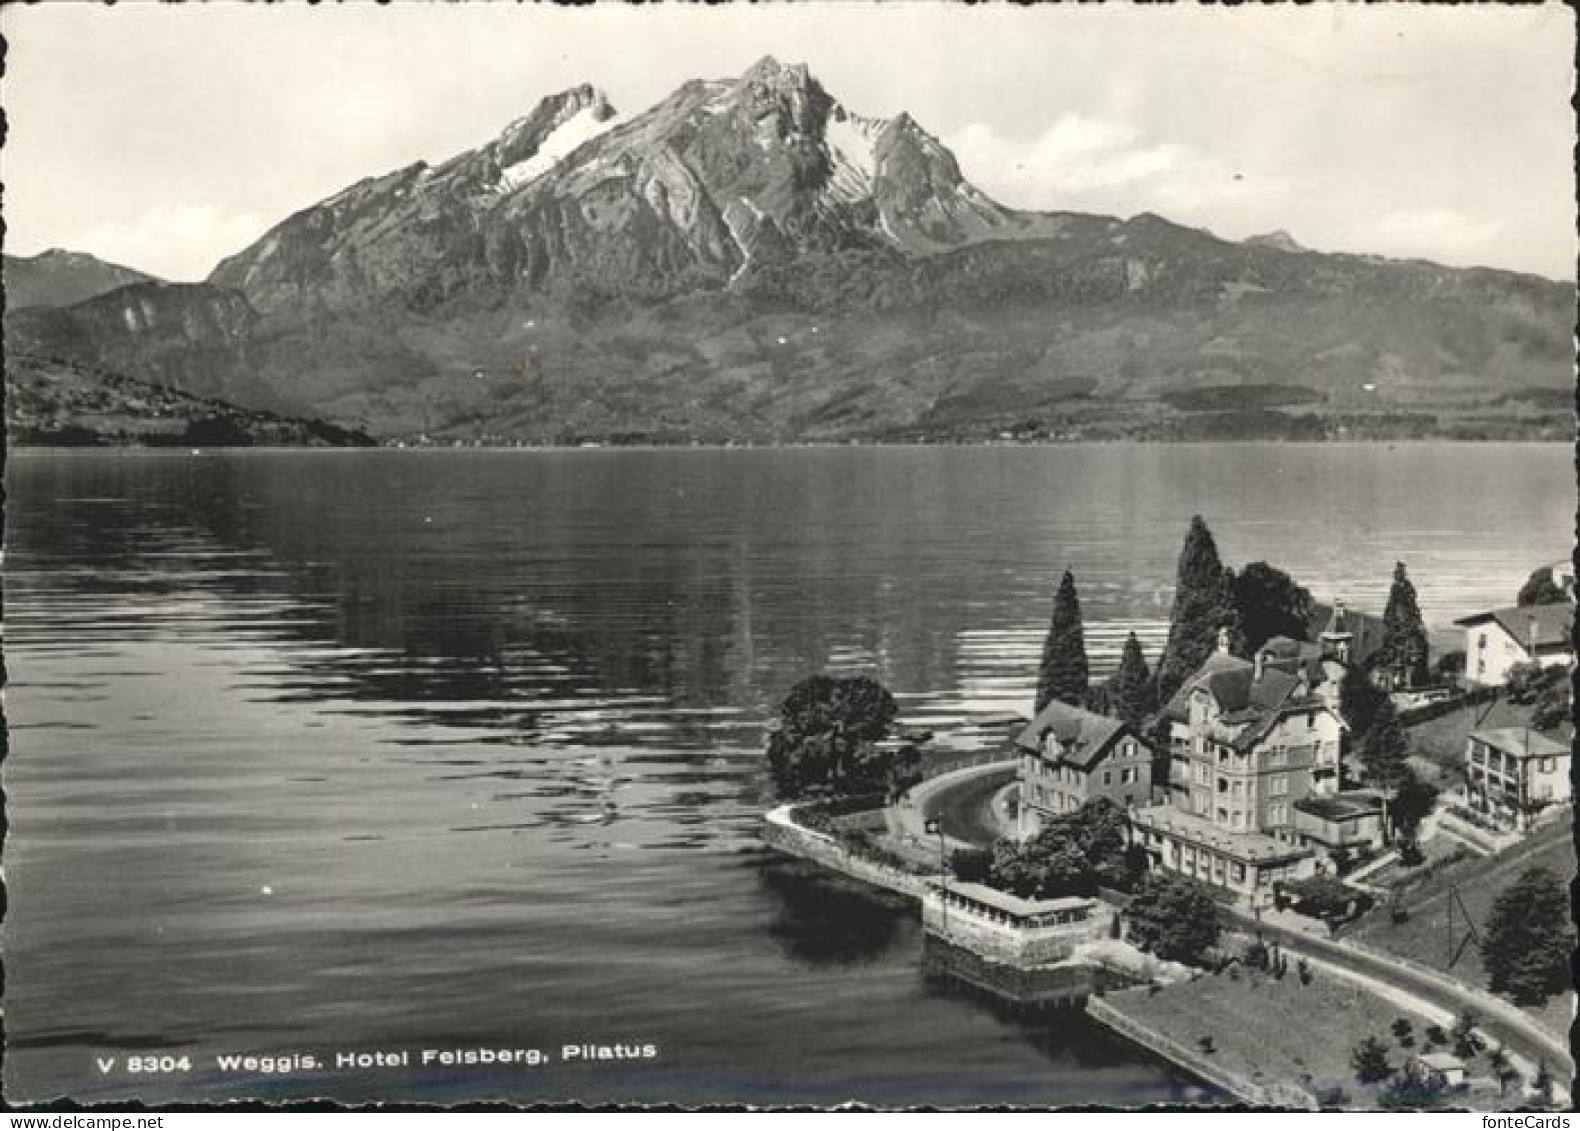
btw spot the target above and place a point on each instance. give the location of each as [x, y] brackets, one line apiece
[781, 832]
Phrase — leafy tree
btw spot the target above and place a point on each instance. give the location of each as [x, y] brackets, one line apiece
[1133, 696]
[1541, 589]
[1047, 866]
[1527, 681]
[973, 865]
[1450, 666]
[1203, 604]
[1100, 829]
[1463, 1034]
[1063, 674]
[902, 770]
[1326, 897]
[1072, 854]
[1553, 705]
[1360, 700]
[1529, 938]
[1270, 604]
[1403, 1032]
[1411, 803]
[1403, 652]
[1173, 918]
[1369, 1059]
[826, 741]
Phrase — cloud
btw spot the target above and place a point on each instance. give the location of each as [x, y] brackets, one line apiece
[1431, 233]
[1086, 163]
[173, 241]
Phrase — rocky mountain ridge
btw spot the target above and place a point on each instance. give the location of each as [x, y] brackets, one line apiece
[751, 260]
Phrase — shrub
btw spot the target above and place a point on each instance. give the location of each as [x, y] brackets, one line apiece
[973, 865]
[1369, 1060]
[1173, 918]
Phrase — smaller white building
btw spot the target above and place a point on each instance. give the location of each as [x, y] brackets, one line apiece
[1511, 773]
[1495, 641]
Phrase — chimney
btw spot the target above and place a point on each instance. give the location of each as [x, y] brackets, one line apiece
[1223, 639]
[1533, 633]
[1256, 672]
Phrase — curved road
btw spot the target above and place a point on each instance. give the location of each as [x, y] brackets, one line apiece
[966, 813]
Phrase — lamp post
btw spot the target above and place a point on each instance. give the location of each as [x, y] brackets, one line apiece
[933, 828]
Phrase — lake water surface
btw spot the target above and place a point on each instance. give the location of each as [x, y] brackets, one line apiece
[331, 751]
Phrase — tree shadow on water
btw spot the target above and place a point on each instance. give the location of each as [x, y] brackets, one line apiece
[824, 922]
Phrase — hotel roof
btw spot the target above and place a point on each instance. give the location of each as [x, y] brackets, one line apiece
[1520, 742]
[1255, 848]
[1085, 736]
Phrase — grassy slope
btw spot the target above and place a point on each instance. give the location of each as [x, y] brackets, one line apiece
[1441, 741]
[54, 402]
[1249, 1021]
[1424, 936]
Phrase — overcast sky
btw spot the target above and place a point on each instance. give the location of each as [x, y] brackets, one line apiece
[166, 137]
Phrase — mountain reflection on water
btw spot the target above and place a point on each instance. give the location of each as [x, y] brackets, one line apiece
[323, 750]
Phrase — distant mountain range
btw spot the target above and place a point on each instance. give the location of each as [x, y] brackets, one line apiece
[62, 278]
[750, 260]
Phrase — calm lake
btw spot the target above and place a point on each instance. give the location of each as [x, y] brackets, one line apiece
[315, 752]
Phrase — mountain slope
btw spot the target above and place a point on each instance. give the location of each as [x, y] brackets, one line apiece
[62, 278]
[55, 402]
[751, 260]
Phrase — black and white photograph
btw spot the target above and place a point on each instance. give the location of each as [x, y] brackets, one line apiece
[789, 556]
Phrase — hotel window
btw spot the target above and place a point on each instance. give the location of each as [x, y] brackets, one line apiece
[1235, 790]
[1223, 785]
[1278, 785]
[1108, 777]
[1239, 873]
[1127, 775]
[1547, 765]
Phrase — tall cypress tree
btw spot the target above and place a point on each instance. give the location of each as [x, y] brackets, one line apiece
[1133, 694]
[1063, 674]
[1203, 603]
[1403, 653]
